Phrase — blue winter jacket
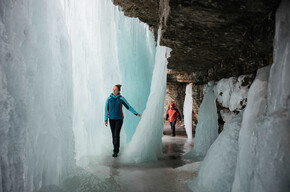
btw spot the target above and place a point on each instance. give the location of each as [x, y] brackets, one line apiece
[113, 108]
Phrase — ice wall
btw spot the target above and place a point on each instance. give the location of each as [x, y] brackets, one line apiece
[217, 170]
[207, 126]
[37, 146]
[264, 154]
[59, 62]
[92, 32]
[107, 48]
[187, 111]
[146, 142]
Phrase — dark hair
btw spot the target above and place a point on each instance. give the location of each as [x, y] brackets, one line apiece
[119, 86]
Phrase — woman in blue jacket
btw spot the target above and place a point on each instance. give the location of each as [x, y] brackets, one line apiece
[113, 111]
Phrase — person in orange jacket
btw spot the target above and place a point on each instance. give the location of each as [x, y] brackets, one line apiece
[172, 114]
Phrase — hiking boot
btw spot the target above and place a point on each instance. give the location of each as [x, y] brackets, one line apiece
[115, 155]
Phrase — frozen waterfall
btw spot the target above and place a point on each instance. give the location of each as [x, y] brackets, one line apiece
[107, 48]
[59, 62]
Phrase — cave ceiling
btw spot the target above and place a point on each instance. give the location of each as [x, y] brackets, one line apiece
[215, 38]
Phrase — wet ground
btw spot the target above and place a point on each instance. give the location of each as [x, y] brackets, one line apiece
[179, 129]
[168, 174]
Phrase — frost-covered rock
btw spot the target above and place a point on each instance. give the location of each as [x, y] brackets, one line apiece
[217, 170]
[207, 126]
[231, 93]
[227, 115]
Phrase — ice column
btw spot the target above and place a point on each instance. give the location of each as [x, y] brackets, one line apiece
[264, 154]
[248, 134]
[207, 126]
[146, 142]
[217, 170]
[187, 111]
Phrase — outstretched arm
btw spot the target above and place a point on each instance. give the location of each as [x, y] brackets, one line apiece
[126, 104]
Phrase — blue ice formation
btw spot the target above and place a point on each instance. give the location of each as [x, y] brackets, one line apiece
[136, 55]
[59, 63]
[207, 126]
[146, 144]
[108, 48]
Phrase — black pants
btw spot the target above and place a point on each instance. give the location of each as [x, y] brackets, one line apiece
[173, 127]
[116, 125]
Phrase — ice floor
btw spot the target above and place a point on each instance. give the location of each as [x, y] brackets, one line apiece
[170, 173]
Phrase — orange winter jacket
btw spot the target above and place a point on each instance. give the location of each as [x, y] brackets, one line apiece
[172, 114]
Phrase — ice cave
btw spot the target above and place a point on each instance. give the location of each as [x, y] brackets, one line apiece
[207, 91]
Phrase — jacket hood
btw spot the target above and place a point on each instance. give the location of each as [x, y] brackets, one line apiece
[115, 97]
